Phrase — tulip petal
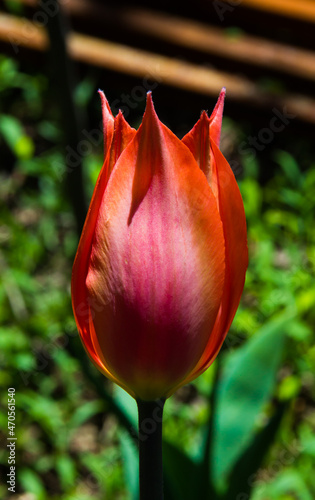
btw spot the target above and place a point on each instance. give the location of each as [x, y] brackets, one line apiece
[206, 131]
[230, 205]
[156, 267]
[198, 142]
[117, 134]
[123, 135]
[216, 119]
[108, 123]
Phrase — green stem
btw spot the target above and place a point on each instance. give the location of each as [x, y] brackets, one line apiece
[150, 449]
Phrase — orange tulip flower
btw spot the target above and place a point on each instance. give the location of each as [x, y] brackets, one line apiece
[161, 263]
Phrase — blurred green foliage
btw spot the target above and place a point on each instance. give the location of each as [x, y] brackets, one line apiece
[244, 429]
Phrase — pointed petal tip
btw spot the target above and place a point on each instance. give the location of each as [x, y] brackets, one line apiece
[104, 103]
[120, 121]
[218, 108]
[216, 118]
[150, 112]
[221, 99]
[222, 95]
[149, 104]
[204, 115]
[102, 95]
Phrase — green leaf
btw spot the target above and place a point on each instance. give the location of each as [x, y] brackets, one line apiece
[85, 90]
[252, 197]
[8, 72]
[126, 404]
[12, 338]
[48, 415]
[66, 471]
[246, 385]
[289, 167]
[182, 474]
[85, 412]
[13, 133]
[24, 147]
[130, 457]
[289, 387]
[244, 472]
[31, 483]
[289, 482]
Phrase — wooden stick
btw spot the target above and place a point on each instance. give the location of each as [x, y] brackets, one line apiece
[150, 66]
[301, 9]
[208, 39]
[22, 33]
[136, 62]
[201, 37]
[163, 69]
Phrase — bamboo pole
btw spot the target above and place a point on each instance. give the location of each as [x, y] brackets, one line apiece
[21, 32]
[164, 70]
[211, 40]
[201, 37]
[301, 9]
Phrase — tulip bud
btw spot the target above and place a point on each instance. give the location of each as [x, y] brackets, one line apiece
[161, 263]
